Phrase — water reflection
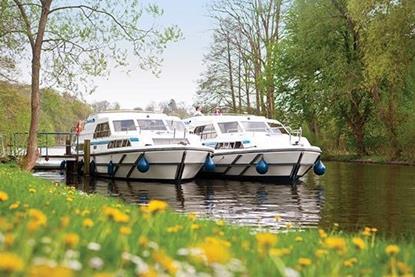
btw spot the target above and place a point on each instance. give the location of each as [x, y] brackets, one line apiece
[352, 195]
[245, 203]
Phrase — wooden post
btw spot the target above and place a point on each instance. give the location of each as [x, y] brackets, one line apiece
[87, 155]
[68, 146]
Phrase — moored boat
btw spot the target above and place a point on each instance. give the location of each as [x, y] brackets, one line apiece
[142, 146]
[255, 148]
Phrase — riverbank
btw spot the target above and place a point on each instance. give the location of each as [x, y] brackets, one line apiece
[48, 228]
[373, 159]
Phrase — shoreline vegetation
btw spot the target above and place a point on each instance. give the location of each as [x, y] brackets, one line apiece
[373, 159]
[51, 229]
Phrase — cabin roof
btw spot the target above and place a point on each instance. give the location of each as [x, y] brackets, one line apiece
[129, 114]
[199, 120]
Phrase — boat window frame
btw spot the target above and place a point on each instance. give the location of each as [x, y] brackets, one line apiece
[204, 133]
[152, 119]
[101, 132]
[239, 130]
[265, 130]
[281, 129]
[121, 120]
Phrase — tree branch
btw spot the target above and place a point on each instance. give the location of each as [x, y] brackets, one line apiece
[27, 23]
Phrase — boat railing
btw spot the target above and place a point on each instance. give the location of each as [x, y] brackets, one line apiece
[15, 144]
[295, 133]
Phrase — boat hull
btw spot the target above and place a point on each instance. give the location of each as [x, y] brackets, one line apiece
[170, 164]
[284, 165]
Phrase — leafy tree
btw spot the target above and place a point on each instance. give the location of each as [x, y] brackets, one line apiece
[70, 41]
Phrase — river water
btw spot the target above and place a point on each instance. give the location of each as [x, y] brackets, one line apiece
[350, 195]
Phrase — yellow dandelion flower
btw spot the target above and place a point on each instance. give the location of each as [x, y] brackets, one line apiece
[32, 190]
[350, 262]
[336, 243]
[38, 216]
[215, 250]
[47, 270]
[265, 240]
[279, 252]
[404, 268]
[33, 225]
[155, 206]
[124, 230]
[320, 253]
[87, 223]
[304, 262]
[116, 215]
[165, 261]
[192, 216]
[143, 241]
[367, 231]
[299, 239]
[322, 233]
[10, 262]
[174, 229]
[85, 212]
[71, 239]
[194, 226]
[150, 272]
[359, 243]
[65, 221]
[14, 205]
[392, 249]
[69, 199]
[8, 239]
[220, 222]
[3, 196]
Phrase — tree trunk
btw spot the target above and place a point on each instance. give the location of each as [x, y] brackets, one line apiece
[230, 72]
[32, 145]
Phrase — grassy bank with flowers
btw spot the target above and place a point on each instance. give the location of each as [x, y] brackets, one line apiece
[48, 229]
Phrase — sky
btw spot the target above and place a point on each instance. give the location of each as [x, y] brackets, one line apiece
[180, 69]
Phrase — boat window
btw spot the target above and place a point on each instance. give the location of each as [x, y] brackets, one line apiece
[176, 125]
[124, 125]
[230, 127]
[206, 131]
[277, 128]
[119, 143]
[102, 130]
[151, 125]
[254, 126]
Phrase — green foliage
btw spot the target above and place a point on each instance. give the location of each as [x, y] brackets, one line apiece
[59, 114]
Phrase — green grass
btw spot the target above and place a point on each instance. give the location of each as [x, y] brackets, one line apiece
[29, 245]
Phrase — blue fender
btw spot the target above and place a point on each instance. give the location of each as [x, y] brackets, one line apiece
[319, 168]
[143, 165]
[262, 166]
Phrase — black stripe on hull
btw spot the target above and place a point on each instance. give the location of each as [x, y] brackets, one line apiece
[296, 168]
[180, 168]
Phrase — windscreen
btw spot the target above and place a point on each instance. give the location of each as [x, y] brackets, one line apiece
[230, 127]
[255, 126]
[124, 125]
[151, 125]
[176, 125]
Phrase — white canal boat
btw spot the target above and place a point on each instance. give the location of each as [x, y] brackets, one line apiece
[142, 146]
[255, 148]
